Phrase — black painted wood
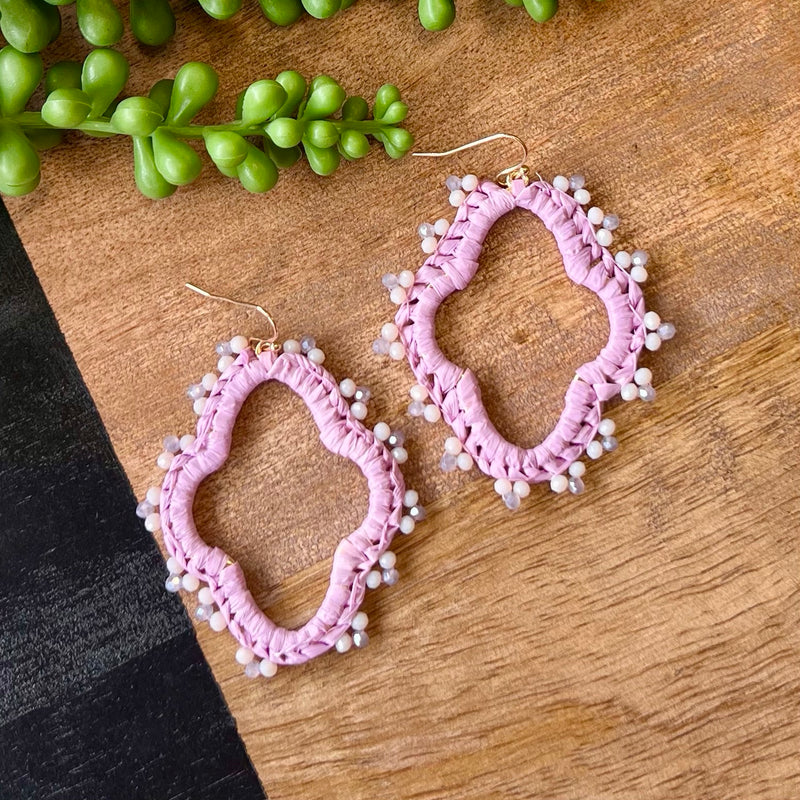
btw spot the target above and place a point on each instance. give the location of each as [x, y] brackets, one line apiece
[104, 692]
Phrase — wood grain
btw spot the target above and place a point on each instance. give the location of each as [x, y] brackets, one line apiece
[640, 641]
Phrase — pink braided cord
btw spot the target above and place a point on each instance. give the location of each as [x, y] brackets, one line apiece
[355, 555]
[455, 390]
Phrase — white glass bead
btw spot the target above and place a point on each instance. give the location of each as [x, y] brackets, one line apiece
[432, 413]
[217, 622]
[153, 495]
[639, 258]
[453, 445]
[595, 215]
[387, 561]
[502, 486]
[469, 183]
[187, 441]
[629, 391]
[638, 274]
[251, 670]
[165, 459]
[424, 230]
[521, 488]
[173, 566]
[441, 226]
[347, 387]
[594, 449]
[224, 363]
[373, 580]
[344, 643]
[199, 406]
[361, 620]
[316, 356]
[577, 181]
[582, 196]
[464, 462]
[606, 427]
[643, 376]
[511, 500]
[418, 392]
[204, 597]
[406, 279]
[604, 237]
[267, 668]
[577, 468]
[652, 341]
[172, 444]
[428, 245]
[416, 408]
[398, 295]
[559, 483]
[208, 381]
[239, 344]
[359, 410]
[623, 259]
[456, 198]
[400, 455]
[152, 522]
[361, 638]
[389, 332]
[666, 330]
[382, 431]
[561, 183]
[407, 524]
[651, 320]
[410, 498]
[397, 351]
[291, 346]
[190, 583]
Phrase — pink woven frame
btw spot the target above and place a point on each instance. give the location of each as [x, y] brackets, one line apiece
[355, 555]
[455, 390]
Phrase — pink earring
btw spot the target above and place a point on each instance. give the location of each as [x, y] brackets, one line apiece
[446, 391]
[362, 560]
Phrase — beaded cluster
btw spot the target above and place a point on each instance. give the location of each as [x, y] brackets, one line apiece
[394, 338]
[384, 571]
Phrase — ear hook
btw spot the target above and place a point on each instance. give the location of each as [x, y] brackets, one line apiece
[260, 343]
[505, 176]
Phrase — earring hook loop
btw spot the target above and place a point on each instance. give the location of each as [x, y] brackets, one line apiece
[260, 344]
[505, 176]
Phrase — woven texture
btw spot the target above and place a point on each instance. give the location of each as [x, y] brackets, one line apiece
[355, 555]
[455, 390]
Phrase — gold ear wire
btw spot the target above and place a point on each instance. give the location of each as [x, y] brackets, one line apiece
[505, 176]
[260, 343]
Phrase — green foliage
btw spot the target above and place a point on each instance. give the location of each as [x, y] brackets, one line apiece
[277, 122]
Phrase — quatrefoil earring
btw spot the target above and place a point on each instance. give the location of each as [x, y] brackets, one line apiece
[361, 561]
[444, 390]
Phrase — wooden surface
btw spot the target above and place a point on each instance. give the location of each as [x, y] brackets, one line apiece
[640, 641]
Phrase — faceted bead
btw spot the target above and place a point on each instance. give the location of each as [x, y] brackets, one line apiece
[204, 612]
[639, 258]
[307, 343]
[360, 639]
[144, 509]
[172, 444]
[417, 513]
[453, 182]
[389, 280]
[173, 583]
[362, 394]
[611, 222]
[396, 439]
[390, 576]
[576, 485]
[381, 347]
[195, 391]
[449, 462]
[666, 330]
[251, 669]
[416, 408]
[511, 500]
[425, 230]
[609, 443]
[647, 393]
[223, 348]
[577, 182]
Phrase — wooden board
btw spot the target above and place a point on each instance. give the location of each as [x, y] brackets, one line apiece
[640, 641]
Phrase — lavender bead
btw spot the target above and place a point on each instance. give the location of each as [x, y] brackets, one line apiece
[576, 485]
[362, 394]
[173, 583]
[390, 576]
[307, 343]
[666, 330]
[389, 280]
[610, 443]
[449, 462]
[416, 408]
[511, 499]
[252, 669]
[647, 393]
[425, 230]
[144, 509]
[577, 182]
[223, 349]
[381, 347]
[611, 222]
[204, 612]
[360, 639]
[396, 439]
[417, 512]
[172, 444]
[196, 391]
[452, 183]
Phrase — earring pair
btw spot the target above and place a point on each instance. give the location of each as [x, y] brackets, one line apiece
[443, 391]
